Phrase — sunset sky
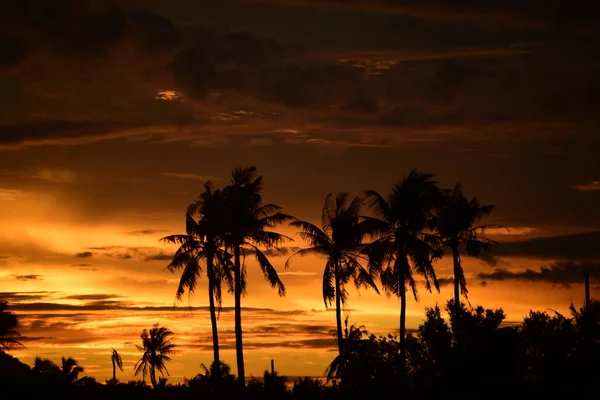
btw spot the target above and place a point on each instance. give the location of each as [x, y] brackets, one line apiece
[114, 113]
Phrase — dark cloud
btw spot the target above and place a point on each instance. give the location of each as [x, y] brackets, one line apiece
[560, 15]
[81, 265]
[562, 273]
[92, 297]
[86, 29]
[445, 281]
[159, 257]
[27, 277]
[16, 297]
[124, 256]
[102, 305]
[286, 329]
[281, 252]
[146, 232]
[578, 246]
[85, 254]
[12, 51]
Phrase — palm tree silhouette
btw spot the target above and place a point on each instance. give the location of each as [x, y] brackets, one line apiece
[456, 225]
[157, 346]
[403, 223]
[203, 241]
[117, 361]
[45, 367]
[8, 334]
[341, 241]
[70, 370]
[246, 222]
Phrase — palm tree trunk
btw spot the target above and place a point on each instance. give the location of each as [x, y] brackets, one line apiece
[402, 322]
[213, 313]
[153, 377]
[456, 277]
[114, 370]
[239, 347]
[338, 309]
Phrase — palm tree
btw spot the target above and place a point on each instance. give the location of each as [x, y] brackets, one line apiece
[246, 222]
[341, 241]
[157, 346]
[456, 225]
[203, 241]
[8, 334]
[46, 367]
[70, 370]
[117, 361]
[404, 245]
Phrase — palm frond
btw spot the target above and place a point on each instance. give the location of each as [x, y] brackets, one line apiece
[378, 204]
[269, 271]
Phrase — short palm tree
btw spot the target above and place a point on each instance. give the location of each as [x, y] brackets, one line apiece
[70, 370]
[340, 240]
[8, 323]
[247, 221]
[46, 367]
[456, 224]
[203, 243]
[405, 245]
[157, 346]
[117, 362]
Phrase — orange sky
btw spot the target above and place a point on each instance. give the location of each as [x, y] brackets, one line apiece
[115, 113]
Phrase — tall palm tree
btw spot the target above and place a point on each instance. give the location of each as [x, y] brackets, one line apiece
[405, 244]
[117, 361]
[246, 222]
[8, 335]
[456, 225]
[203, 242]
[70, 370]
[157, 346]
[340, 240]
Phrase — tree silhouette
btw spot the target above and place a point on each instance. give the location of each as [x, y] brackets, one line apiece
[157, 346]
[246, 222]
[117, 361]
[403, 223]
[8, 323]
[70, 370]
[456, 225]
[203, 241]
[340, 240]
[46, 367]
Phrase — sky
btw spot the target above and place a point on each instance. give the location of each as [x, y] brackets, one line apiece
[114, 113]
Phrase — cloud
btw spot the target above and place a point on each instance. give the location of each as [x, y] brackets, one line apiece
[590, 187]
[281, 252]
[27, 277]
[85, 254]
[563, 273]
[159, 257]
[146, 232]
[542, 14]
[92, 297]
[190, 176]
[445, 281]
[17, 297]
[578, 246]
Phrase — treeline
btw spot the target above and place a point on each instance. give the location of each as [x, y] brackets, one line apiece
[472, 354]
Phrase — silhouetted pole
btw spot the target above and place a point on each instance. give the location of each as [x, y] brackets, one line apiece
[587, 290]
[272, 366]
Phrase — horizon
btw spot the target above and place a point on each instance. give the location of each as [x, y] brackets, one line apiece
[117, 112]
